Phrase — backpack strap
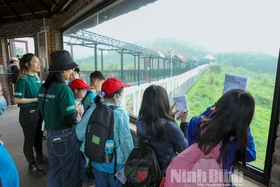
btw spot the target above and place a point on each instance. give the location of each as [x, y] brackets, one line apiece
[113, 107]
[86, 109]
[111, 134]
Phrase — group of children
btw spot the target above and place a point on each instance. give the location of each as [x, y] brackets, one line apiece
[224, 124]
[66, 109]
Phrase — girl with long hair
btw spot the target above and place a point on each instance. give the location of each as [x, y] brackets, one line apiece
[27, 87]
[228, 127]
[156, 124]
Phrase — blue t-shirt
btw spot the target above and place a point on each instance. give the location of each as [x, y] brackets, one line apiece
[8, 171]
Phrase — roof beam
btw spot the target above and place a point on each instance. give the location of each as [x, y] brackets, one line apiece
[16, 4]
[45, 7]
[11, 10]
[64, 6]
[30, 11]
[54, 2]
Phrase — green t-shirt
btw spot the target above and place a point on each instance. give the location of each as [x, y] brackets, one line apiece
[27, 87]
[59, 102]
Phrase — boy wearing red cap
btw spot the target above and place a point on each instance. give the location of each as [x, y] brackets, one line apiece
[79, 88]
[111, 94]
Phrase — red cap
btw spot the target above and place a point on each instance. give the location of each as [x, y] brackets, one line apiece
[79, 83]
[113, 84]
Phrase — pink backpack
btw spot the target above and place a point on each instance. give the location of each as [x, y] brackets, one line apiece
[193, 168]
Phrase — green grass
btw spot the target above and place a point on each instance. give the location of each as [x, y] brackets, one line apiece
[209, 89]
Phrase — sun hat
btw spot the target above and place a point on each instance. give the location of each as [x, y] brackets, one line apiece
[61, 60]
[79, 83]
[113, 84]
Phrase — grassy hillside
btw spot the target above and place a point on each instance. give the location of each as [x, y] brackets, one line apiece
[209, 89]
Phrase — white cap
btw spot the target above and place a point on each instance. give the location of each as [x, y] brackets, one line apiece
[14, 59]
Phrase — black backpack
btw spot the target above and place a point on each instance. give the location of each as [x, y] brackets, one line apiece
[99, 129]
[13, 73]
[141, 168]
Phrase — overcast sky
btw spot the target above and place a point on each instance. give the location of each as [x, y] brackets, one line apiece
[219, 25]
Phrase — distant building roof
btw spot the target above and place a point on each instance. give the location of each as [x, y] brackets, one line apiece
[181, 58]
[210, 57]
[161, 54]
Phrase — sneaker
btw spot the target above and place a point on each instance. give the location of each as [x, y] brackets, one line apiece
[41, 159]
[35, 170]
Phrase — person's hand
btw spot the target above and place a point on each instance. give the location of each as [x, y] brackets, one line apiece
[171, 108]
[78, 107]
[184, 115]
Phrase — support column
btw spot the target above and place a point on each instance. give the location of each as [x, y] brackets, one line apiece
[275, 169]
[4, 62]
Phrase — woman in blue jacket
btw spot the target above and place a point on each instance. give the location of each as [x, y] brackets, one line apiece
[158, 125]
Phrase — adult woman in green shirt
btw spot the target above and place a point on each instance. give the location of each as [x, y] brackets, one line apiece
[25, 95]
[57, 105]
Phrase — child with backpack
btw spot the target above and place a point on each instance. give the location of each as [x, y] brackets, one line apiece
[107, 147]
[96, 81]
[157, 125]
[221, 143]
[79, 88]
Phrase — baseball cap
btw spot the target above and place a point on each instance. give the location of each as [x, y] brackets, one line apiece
[79, 83]
[113, 84]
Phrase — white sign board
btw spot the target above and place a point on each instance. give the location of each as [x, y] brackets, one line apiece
[235, 81]
[180, 103]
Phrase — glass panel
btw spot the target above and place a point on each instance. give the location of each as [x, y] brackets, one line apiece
[194, 42]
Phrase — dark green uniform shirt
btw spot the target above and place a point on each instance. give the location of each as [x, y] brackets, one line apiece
[59, 102]
[27, 87]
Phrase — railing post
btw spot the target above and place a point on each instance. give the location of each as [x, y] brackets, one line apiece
[122, 66]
